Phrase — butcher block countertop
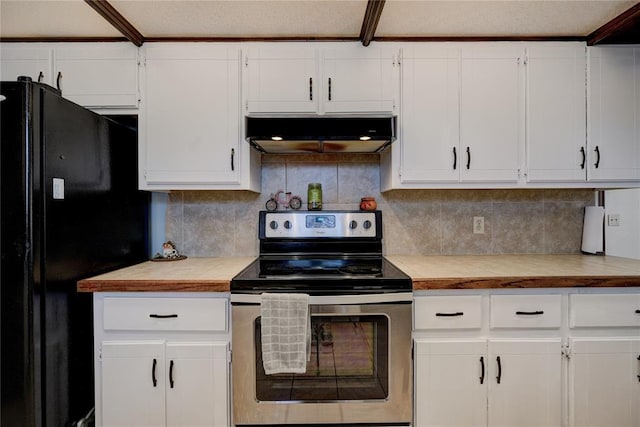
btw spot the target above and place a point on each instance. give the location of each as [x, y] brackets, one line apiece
[518, 271]
[427, 272]
[187, 275]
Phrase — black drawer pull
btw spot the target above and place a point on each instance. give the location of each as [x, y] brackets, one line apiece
[163, 316]
[153, 373]
[529, 313]
[455, 158]
[457, 313]
[637, 311]
[499, 377]
[482, 372]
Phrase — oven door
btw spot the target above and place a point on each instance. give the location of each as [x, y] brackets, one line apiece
[359, 370]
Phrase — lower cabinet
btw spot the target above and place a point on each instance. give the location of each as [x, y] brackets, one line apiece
[159, 383]
[488, 382]
[161, 361]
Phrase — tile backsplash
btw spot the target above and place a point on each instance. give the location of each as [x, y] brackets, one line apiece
[426, 222]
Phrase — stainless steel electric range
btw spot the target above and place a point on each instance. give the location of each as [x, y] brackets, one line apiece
[360, 371]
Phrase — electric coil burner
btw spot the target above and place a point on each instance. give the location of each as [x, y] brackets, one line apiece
[360, 304]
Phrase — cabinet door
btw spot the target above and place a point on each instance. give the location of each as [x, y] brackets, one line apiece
[281, 80]
[358, 79]
[197, 385]
[100, 75]
[430, 115]
[525, 383]
[190, 126]
[604, 382]
[614, 108]
[20, 60]
[491, 120]
[133, 384]
[450, 383]
[556, 116]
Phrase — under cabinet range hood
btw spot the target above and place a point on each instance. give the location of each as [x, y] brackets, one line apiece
[320, 134]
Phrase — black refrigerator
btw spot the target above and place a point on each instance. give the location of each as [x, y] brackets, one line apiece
[70, 209]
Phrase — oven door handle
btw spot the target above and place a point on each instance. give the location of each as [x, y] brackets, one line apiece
[394, 297]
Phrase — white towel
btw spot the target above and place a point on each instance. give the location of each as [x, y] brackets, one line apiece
[286, 337]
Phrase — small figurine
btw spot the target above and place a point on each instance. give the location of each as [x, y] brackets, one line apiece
[169, 250]
[282, 200]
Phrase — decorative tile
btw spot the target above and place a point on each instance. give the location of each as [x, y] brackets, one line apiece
[563, 227]
[518, 228]
[457, 229]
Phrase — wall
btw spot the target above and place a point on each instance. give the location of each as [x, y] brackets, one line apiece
[623, 239]
[429, 222]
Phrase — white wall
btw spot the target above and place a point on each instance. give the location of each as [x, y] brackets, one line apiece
[622, 240]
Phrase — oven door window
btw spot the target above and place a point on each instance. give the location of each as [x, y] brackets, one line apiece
[349, 361]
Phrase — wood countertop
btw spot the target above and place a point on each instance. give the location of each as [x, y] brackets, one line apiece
[518, 271]
[427, 272]
[187, 275]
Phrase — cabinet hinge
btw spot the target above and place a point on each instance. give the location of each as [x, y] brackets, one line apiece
[100, 355]
[246, 61]
[229, 356]
[566, 351]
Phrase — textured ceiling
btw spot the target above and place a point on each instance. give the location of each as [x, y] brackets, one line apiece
[310, 18]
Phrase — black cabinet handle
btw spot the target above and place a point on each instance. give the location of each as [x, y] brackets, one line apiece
[584, 157]
[233, 153]
[329, 88]
[637, 311]
[40, 77]
[499, 370]
[457, 313]
[639, 361]
[171, 374]
[153, 373]
[529, 313]
[482, 370]
[597, 163]
[58, 79]
[162, 316]
[455, 158]
[468, 158]
[310, 88]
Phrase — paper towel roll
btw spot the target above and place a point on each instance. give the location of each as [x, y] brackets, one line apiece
[592, 230]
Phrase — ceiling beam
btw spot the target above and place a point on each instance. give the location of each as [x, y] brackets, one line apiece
[629, 18]
[114, 17]
[370, 22]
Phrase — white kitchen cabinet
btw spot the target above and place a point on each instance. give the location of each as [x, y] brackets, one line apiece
[604, 364]
[20, 59]
[488, 360]
[613, 112]
[343, 78]
[470, 382]
[462, 120]
[161, 360]
[556, 113]
[491, 112]
[450, 388]
[430, 119]
[604, 385]
[94, 75]
[190, 127]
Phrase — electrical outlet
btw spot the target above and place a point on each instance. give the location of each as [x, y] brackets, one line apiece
[478, 225]
[613, 220]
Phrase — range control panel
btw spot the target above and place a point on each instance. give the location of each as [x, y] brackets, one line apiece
[317, 224]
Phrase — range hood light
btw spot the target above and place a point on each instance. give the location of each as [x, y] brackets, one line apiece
[276, 138]
[365, 138]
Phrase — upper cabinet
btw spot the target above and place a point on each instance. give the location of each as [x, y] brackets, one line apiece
[614, 113]
[491, 112]
[190, 127]
[342, 78]
[461, 117]
[556, 116]
[94, 75]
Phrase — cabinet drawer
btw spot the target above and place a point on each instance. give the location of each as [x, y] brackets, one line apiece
[526, 311]
[446, 312]
[604, 310]
[165, 314]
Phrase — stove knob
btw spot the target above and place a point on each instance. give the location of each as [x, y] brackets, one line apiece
[353, 225]
[273, 225]
[367, 224]
[287, 225]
